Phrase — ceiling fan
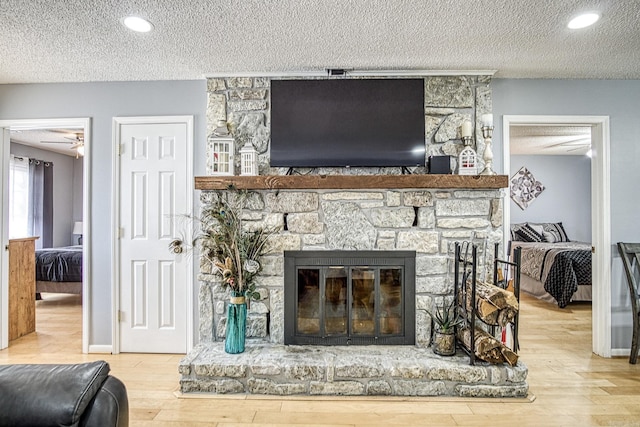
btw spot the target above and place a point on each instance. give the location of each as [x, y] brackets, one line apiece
[77, 143]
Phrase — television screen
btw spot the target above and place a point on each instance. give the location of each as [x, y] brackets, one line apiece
[347, 122]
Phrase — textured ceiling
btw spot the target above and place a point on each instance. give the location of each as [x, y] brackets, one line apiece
[83, 40]
[62, 141]
[550, 140]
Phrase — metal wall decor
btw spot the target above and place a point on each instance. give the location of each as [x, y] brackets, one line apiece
[525, 188]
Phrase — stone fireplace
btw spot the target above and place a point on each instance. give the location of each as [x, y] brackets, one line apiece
[423, 221]
[327, 212]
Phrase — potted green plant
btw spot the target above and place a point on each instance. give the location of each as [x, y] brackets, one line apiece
[234, 250]
[446, 318]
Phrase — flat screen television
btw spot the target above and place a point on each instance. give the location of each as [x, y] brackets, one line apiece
[347, 122]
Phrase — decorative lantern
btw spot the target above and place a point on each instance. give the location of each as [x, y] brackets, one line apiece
[221, 155]
[248, 160]
[468, 162]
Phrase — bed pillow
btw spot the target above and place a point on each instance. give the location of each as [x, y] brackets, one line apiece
[544, 230]
[528, 234]
[538, 228]
[548, 237]
[514, 229]
[554, 231]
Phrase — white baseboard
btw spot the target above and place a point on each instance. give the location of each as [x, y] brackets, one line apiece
[100, 349]
[620, 352]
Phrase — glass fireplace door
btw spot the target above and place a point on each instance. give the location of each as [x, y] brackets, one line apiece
[376, 301]
[349, 297]
[308, 307]
[322, 301]
[391, 309]
[349, 302]
[363, 301]
[335, 301]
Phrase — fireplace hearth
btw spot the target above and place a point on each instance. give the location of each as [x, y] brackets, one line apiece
[349, 297]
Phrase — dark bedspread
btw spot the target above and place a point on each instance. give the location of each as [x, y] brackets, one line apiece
[559, 267]
[59, 264]
[569, 269]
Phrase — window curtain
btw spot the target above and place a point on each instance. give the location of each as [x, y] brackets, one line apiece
[41, 202]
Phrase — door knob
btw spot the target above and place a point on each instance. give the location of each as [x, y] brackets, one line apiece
[176, 246]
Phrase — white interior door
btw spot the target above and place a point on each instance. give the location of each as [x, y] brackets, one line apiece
[154, 196]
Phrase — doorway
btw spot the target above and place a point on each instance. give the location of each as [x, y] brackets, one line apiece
[61, 131]
[600, 212]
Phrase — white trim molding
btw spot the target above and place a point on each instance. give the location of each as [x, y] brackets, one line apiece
[85, 123]
[600, 213]
[620, 352]
[4, 237]
[106, 349]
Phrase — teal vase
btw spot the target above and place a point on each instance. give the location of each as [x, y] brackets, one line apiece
[236, 324]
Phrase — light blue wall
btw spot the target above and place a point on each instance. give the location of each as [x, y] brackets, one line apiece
[102, 102]
[620, 100]
[566, 197]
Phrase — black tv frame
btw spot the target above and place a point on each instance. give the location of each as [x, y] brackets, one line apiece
[347, 123]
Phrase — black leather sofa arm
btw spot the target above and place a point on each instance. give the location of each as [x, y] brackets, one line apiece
[62, 395]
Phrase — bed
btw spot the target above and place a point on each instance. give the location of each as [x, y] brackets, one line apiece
[554, 271]
[59, 270]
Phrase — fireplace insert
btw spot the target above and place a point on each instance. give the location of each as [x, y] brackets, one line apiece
[349, 297]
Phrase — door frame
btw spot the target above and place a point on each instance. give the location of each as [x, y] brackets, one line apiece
[600, 213]
[85, 123]
[118, 122]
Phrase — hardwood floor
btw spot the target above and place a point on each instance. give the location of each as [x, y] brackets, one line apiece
[569, 386]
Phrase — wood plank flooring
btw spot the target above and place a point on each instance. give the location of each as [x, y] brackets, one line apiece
[569, 386]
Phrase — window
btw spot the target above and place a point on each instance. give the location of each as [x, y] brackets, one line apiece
[18, 197]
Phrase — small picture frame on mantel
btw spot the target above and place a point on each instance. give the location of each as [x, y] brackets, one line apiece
[220, 155]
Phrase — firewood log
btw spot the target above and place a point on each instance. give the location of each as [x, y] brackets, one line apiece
[506, 316]
[483, 307]
[497, 296]
[509, 355]
[487, 348]
[494, 305]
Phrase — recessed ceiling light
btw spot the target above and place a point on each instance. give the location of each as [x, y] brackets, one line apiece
[583, 20]
[138, 24]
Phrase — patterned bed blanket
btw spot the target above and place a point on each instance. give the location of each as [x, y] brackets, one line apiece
[59, 264]
[561, 267]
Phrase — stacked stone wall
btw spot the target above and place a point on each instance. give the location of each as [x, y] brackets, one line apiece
[427, 221]
[244, 103]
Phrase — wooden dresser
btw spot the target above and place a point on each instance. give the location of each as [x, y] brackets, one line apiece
[22, 287]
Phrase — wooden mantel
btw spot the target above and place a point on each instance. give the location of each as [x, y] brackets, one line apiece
[341, 182]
